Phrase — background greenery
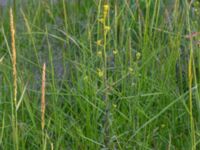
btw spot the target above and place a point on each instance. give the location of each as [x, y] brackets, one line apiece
[122, 88]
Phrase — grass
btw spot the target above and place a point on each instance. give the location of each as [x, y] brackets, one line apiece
[117, 75]
[14, 101]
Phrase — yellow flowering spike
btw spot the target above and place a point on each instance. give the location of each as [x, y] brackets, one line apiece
[105, 10]
[115, 52]
[99, 42]
[138, 55]
[100, 73]
[106, 7]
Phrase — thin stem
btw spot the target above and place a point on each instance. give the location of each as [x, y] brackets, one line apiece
[190, 75]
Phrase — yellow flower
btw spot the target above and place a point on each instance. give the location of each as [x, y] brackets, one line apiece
[105, 10]
[105, 7]
[107, 28]
[99, 53]
[99, 42]
[115, 52]
[101, 20]
[100, 73]
[138, 55]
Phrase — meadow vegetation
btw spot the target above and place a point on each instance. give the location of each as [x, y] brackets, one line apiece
[100, 74]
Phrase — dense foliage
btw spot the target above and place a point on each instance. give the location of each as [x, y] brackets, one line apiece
[120, 74]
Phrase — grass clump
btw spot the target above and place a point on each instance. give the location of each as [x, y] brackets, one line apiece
[117, 75]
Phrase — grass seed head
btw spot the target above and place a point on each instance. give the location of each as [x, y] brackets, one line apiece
[14, 57]
[43, 96]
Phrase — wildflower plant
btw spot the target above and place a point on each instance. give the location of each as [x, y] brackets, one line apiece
[102, 73]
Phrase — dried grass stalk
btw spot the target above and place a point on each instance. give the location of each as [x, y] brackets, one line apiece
[12, 29]
[43, 96]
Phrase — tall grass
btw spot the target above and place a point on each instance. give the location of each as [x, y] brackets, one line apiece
[117, 75]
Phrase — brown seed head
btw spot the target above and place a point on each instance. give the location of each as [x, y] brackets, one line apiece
[43, 96]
